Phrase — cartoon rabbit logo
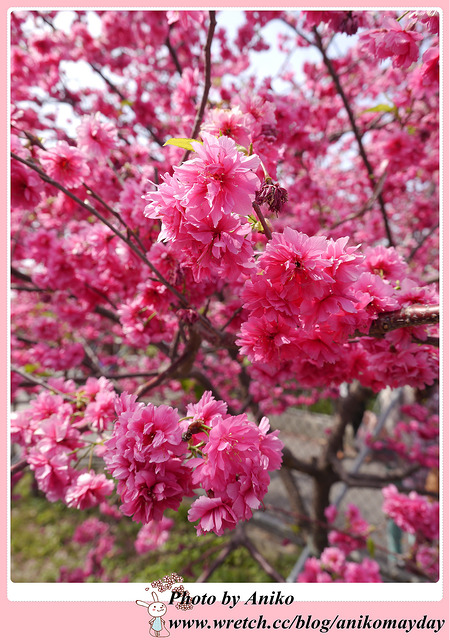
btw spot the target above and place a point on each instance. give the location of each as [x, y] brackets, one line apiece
[156, 610]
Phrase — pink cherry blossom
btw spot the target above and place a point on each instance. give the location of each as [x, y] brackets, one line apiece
[96, 137]
[88, 490]
[153, 535]
[393, 41]
[214, 515]
[65, 164]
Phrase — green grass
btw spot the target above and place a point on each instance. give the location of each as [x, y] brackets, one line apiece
[41, 543]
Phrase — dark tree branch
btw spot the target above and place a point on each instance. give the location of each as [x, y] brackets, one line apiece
[369, 204]
[292, 462]
[202, 107]
[92, 210]
[39, 382]
[265, 566]
[369, 480]
[181, 366]
[362, 151]
[262, 220]
[18, 467]
[422, 241]
[173, 53]
[207, 573]
[412, 316]
[20, 275]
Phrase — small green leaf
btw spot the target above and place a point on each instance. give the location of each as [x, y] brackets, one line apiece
[183, 143]
[370, 547]
[384, 108]
[256, 224]
[30, 368]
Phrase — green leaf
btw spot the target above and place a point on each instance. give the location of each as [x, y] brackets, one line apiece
[370, 547]
[30, 368]
[183, 143]
[385, 108]
[256, 224]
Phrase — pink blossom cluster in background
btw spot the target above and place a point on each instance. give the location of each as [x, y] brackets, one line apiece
[51, 434]
[419, 517]
[96, 535]
[332, 566]
[355, 533]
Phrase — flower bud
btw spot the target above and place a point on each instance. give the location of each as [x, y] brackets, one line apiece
[273, 195]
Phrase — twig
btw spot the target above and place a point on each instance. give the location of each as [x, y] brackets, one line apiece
[357, 135]
[262, 220]
[203, 379]
[293, 493]
[116, 214]
[19, 274]
[98, 215]
[94, 363]
[106, 313]
[173, 53]
[113, 87]
[271, 572]
[110, 84]
[201, 319]
[171, 369]
[202, 107]
[207, 573]
[422, 241]
[18, 467]
[369, 480]
[38, 382]
[369, 204]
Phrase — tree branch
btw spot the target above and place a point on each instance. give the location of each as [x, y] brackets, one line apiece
[38, 382]
[362, 151]
[415, 315]
[173, 53]
[369, 480]
[262, 220]
[422, 241]
[369, 204]
[93, 211]
[202, 107]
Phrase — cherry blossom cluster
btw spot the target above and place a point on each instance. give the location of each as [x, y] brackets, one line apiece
[97, 536]
[414, 438]
[311, 295]
[332, 566]
[153, 535]
[334, 563]
[57, 430]
[353, 535]
[412, 513]
[418, 516]
[204, 207]
[157, 461]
